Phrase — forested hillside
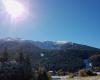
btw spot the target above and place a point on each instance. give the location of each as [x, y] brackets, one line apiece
[69, 57]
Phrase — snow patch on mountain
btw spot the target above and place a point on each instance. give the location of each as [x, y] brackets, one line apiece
[61, 42]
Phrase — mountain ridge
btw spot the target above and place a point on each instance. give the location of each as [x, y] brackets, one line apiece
[52, 45]
[50, 54]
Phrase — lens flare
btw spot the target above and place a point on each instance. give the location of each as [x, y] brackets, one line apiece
[14, 8]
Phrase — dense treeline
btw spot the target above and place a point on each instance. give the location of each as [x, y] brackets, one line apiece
[24, 66]
[95, 59]
[15, 69]
[68, 60]
[20, 68]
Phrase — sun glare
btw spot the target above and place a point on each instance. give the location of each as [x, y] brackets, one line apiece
[13, 8]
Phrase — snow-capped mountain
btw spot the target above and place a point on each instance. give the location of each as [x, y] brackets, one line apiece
[50, 45]
[11, 39]
[49, 52]
[41, 44]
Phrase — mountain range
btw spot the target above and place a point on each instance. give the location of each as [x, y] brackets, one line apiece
[52, 54]
[49, 45]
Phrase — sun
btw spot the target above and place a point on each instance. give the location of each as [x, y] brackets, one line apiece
[13, 8]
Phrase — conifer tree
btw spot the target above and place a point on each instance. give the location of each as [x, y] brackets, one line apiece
[5, 55]
[42, 74]
[21, 57]
[28, 67]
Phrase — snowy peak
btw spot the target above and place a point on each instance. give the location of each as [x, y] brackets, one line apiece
[50, 45]
[61, 42]
[11, 39]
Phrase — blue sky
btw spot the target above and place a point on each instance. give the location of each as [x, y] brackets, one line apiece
[67, 20]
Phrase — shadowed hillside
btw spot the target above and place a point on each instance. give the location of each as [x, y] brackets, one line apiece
[53, 59]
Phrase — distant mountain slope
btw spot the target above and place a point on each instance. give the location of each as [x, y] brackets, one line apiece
[49, 44]
[52, 54]
[53, 45]
[61, 45]
[15, 45]
[76, 46]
